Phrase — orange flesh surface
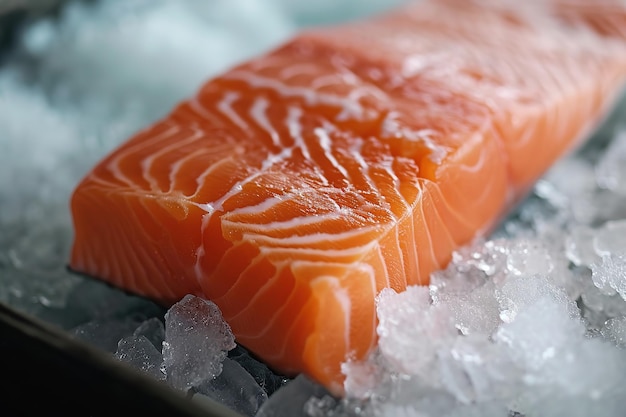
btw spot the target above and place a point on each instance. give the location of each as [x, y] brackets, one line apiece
[294, 187]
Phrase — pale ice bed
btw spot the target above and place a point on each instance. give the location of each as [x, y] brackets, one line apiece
[529, 323]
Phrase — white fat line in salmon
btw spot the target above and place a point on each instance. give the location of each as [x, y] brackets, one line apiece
[283, 225]
[259, 114]
[226, 107]
[146, 163]
[313, 239]
[114, 165]
[325, 142]
[350, 107]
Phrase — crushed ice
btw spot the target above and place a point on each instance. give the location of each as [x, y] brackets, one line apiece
[539, 312]
[531, 322]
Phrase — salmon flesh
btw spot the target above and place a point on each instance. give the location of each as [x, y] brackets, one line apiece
[294, 187]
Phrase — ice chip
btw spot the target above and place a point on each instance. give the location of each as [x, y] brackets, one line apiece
[590, 372]
[610, 238]
[536, 215]
[106, 333]
[268, 380]
[413, 396]
[470, 267]
[520, 293]
[614, 330]
[405, 320]
[529, 257]
[572, 177]
[488, 257]
[153, 330]
[609, 275]
[614, 306]
[571, 191]
[140, 353]
[197, 340]
[532, 345]
[476, 311]
[362, 377]
[320, 407]
[579, 246]
[597, 305]
[477, 370]
[552, 194]
[290, 400]
[592, 297]
[235, 388]
[593, 320]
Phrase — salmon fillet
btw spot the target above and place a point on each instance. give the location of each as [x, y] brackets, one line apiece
[294, 187]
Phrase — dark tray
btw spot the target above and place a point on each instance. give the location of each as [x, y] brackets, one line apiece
[46, 372]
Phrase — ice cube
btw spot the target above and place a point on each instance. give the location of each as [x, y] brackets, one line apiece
[290, 400]
[411, 396]
[532, 345]
[266, 379]
[320, 407]
[140, 353]
[197, 340]
[474, 312]
[518, 293]
[535, 215]
[572, 180]
[610, 238]
[470, 268]
[579, 247]
[615, 330]
[153, 330]
[552, 194]
[407, 318]
[609, 275]
[235, 388]
[475, 370]
[529, 257]
[106, 333]
[592, 297]
[589, 378]
[363, 377]
[572, 177]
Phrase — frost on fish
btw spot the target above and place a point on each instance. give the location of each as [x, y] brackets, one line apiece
[295, 187]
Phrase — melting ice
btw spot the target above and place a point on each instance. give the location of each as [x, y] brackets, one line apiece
[531, 322]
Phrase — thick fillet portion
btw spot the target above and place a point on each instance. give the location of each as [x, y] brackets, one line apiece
[293, 188]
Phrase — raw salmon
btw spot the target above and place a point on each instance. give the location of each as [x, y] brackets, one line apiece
[294, 187]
